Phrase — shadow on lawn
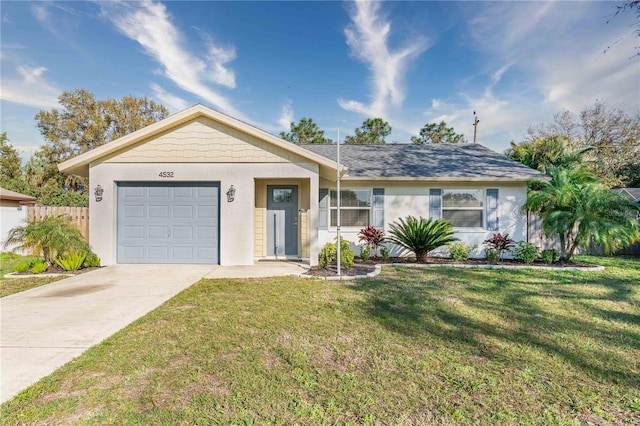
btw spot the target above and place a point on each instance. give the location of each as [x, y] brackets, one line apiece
[461, 306]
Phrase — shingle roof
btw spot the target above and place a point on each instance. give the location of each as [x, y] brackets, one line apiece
[633, 193]
[428, 161]
[5, 194]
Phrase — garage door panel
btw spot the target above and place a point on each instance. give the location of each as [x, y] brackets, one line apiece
[159, 192]
[158, 232]
[183, 212]
[183, 253]
[205, 212]
[183, 191]
[168, 223]
[184, 232]
[133, 232]
[134, 211]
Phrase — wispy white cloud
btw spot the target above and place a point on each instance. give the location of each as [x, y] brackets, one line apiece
[368, 38]
[286, 116]
[540, 58]
[150, 24]
[30, 88]
[171, 101]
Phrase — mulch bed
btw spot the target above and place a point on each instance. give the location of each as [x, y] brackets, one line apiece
[363, 268]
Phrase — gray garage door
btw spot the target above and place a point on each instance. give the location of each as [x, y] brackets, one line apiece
[168, 223]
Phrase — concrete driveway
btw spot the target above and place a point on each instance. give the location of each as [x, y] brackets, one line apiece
[46, 327]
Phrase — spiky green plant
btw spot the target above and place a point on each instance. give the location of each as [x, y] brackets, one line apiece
[71, 261]
[421, 235]
[51, 237]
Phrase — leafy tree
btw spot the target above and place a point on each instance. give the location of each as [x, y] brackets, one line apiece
[575, 207]
[372, 131]
[542, 153]
[9, 163]
[612, 137]
[437, 133]
[84, 123]
[306, 131]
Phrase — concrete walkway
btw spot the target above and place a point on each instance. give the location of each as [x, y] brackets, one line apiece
[46, 327]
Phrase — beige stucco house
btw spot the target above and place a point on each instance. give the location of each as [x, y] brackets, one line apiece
[204, 187]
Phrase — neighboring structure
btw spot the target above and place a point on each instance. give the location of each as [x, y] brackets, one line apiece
[13, 212]
[203, 187]
[633, 193]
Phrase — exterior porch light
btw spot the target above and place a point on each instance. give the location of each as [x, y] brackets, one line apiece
[231, 194]
[98, 193]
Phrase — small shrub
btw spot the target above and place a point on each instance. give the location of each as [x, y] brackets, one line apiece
[500, 242]
[39, 267]
[526, 252]
[91, 261]
[327, 255]
[372, 237]
[365, 252]
[72, 261]
[384, 253]
[493, 255]
[421, 235]
[22, 267]
[460, 251]
[346, 254]
[549, 256]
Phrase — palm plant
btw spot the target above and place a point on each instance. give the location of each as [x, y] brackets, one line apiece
[579, 210]
[51, 237]
[421, 235]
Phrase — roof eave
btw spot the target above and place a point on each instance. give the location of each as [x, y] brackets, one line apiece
[443, 179]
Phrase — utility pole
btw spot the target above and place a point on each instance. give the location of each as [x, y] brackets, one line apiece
[476, 120]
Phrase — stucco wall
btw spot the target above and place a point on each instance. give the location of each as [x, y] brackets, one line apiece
[401, 200]
[10, 218]
[237, 227]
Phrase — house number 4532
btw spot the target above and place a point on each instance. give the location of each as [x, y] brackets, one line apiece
[166, 174]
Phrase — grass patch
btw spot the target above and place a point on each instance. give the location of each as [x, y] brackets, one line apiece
[9, 286]
[413, 346]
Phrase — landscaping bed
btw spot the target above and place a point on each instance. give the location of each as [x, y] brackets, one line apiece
[362, 268]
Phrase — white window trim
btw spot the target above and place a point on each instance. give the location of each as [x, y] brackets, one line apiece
[333, 208]
[462, 229]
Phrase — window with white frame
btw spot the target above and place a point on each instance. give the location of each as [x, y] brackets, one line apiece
[355, 207]
[464, 208]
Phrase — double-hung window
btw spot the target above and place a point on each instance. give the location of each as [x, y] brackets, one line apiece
[464, 208]
[355, 207]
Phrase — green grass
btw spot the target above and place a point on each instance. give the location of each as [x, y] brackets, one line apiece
[15, 285]
[436, 346]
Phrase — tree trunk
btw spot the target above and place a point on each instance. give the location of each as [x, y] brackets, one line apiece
[422, 256]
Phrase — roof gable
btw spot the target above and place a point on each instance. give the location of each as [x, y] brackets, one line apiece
[80, 164]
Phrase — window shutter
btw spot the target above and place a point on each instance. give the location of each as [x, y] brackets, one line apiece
[492, 209]
[323, 208]
[435, 203]
[377, 214]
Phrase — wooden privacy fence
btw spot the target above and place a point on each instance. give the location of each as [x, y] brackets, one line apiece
[78, 215]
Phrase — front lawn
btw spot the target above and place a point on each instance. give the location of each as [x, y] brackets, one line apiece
[413, 346]
[9, 286]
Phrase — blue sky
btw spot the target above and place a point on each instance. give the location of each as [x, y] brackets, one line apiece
[270, 63]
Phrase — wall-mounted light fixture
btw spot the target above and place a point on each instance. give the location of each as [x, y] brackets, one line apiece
[98, 193]
[231, 194]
